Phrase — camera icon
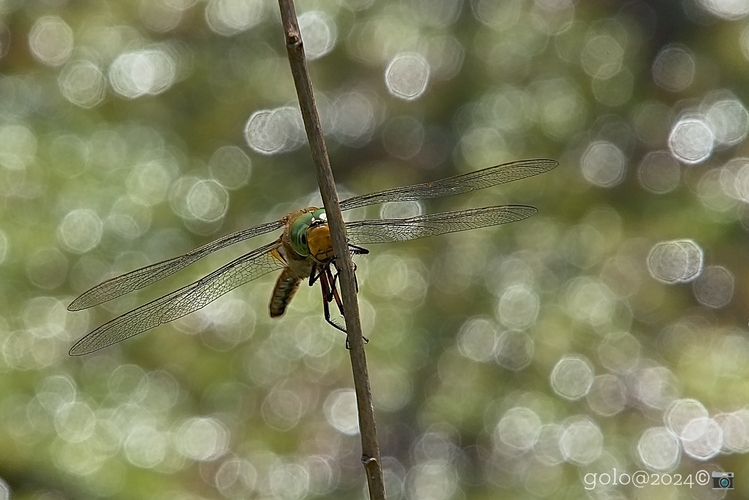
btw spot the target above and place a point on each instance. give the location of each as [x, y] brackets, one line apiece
[722, 480]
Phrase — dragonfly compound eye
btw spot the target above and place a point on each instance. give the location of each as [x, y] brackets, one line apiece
[299, 234]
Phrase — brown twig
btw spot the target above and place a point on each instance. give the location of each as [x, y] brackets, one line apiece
[367, 428]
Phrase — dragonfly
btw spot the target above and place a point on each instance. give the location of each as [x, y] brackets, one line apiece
[304, 251]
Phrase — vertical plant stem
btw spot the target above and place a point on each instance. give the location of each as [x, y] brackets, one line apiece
[367, 428]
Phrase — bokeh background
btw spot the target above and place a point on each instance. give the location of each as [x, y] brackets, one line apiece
[605, 335]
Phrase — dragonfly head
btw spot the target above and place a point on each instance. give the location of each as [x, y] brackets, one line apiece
[310, 236]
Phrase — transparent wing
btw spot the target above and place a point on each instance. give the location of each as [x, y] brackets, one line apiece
[181, 302]
[458, 184]
[365, 232]
[140, 278]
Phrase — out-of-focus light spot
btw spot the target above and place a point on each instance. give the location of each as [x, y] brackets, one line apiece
[658, 449]
[123, 381]
[17, 147]
[357, 5]
[702, 438]
[340, 411]
[481, 145]
[676, 261]
[652, 121]
[4, 40]
[713, 192]
[518, 429]
[542, 481]
[51, 40]
[735, 430]
[144, 72]
[744, 42]
[681, 412]
[161, 15]
[603, 164]
[714, 288]
[323, 472]
[230, 166]
[691, 140]
[729, 120]
[508, 109]
[445, 55]
[514, 350]
[282, 409]
[207, 201]
[275, 131]
[80, 459]
[614, 90]
[4, 247]
[622, 274]
[289, 481]
[392, 276]
[403, 137]
[107, 149]
[674, 68]
[75, 422]
[553, 17]
[734, 179]
[432, 480]
[394, 478]
[602, 56]
[547, 449]
[581, 441]
[55, 392]
[607, 395]
[80, 230]
[561, 107]
[82, 83]
[572, 377]
[590, 300]
[401, 209]
[202, 439]
[393, 389]
[229, 17]
[5, 491]
[477, 338]
[128, 219]
[235, 478]
[149, 182]
[44, 317]
[407, 76]
[319, 34]
[497, 15]
[378, 38]
[437, 13]
[731, 10]
[356, 118]
[47, 268]
[144, 446]
[655, 386]
[434, 445]
[70, 155]
[226, 323]
[518, 307]
[658, 172]
[158, 391]
[619, 352]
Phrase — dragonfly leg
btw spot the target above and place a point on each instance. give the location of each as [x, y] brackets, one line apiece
[329, 293]
[333, 279]
[338, 272]
[357, 250]
[314, 275]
